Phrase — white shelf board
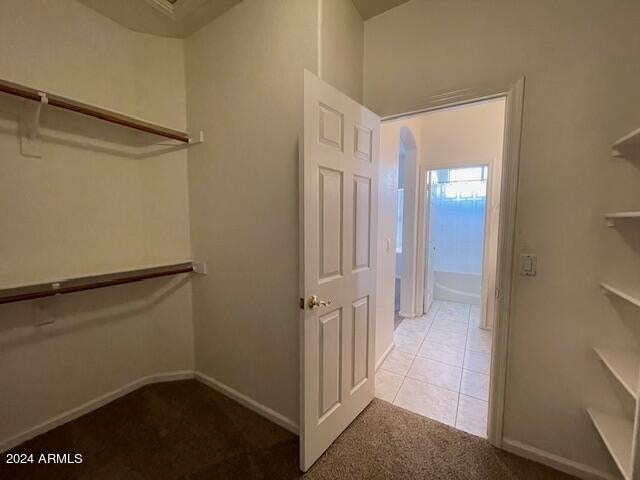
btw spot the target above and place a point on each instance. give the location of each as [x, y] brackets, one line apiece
[629, 144]
[625, 366]
[623, 215]
[621, 294]
[617, 435]
[612, 216]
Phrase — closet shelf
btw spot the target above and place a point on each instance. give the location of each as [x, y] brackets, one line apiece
[624, 365]
[612, 216]
[621, 294]
[90, 282]
[628, 145]
[617, 435]
[105, 114]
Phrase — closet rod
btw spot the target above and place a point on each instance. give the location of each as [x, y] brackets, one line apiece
[41, 290]
[93, 111]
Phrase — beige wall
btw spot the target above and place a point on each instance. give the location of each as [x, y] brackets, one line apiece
[89, 205]
[342, 46]
[467, 135]
[580, 62]
[244, 87]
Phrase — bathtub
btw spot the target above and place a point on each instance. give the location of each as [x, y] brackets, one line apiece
[457, 287]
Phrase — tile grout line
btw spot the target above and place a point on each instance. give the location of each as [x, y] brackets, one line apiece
[415, 354]
[466, 341]
[393, 401]
[414, 358]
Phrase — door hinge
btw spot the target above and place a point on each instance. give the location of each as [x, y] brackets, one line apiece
[497, 293]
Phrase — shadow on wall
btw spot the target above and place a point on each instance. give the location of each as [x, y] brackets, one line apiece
[629, 230]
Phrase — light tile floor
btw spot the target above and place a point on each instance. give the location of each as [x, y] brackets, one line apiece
[439, 367]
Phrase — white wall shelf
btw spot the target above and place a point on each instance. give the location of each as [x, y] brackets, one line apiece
[617, 435]
[612, 216]
[624, 365]
[627, 146]
[619, 293]
[621, 435]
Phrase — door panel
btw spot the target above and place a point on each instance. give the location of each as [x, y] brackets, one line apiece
[362, 222]
[339, 185]
[331, 131]
[330, 362]
[363, 142]
[360, 351]
[330, 223]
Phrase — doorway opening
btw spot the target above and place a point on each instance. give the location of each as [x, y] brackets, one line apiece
[447, 229]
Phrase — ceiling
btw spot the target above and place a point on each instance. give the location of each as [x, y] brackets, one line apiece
[181, 18]
[371, 8]
[168, 18]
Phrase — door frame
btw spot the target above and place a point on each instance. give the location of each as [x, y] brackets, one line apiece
[422, 257]
[513, 92]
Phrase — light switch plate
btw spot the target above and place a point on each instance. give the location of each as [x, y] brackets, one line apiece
[528, 264]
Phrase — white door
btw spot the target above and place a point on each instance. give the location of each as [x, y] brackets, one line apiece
[339, 185]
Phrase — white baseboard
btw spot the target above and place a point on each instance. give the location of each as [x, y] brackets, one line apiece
[562, 464]
[384, 355]
[259, 408]
[72, 414]
[91, 405]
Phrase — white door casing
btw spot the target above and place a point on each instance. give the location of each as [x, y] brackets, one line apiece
[428, 253]
[339, 188]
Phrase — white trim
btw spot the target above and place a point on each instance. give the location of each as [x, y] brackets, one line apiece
[422, 227]
[102, 400]
[384, 355]
[513, 91]
[562, 464]
[319, 40]
[250, 403]
[409, 304]
[504, 260]
[91, 405]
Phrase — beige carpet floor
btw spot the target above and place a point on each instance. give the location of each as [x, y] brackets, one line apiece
[185, 430]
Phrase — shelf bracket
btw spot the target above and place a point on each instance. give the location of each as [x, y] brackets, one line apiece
[30, 143]
[192, 141]
[200, 139]
[199, 267]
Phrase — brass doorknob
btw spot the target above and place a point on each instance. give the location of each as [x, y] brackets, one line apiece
[315, 302]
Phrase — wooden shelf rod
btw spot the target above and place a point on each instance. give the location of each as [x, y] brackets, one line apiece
[95, 111]
[79, 284]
